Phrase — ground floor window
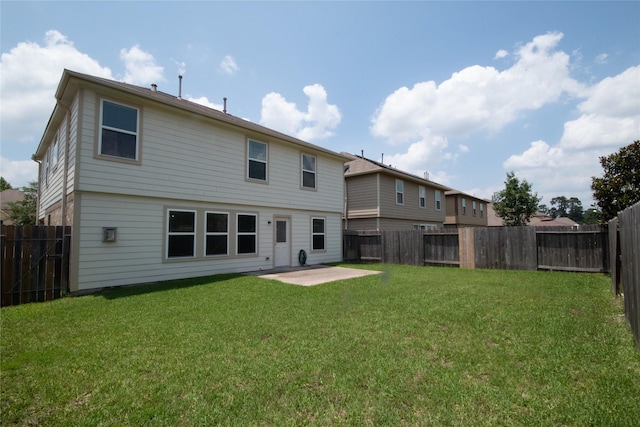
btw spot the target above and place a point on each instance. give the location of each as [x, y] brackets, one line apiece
[181, 236]
[247, 235]
[318, 234]
[217, 231]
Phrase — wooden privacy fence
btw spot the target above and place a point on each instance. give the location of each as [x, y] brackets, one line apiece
[583, 249]
[624, 232]
[35, 263]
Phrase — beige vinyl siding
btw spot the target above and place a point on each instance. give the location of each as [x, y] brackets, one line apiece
[362, 224]
[362, 195]
[403, 224]
[52, 188]
[454, 211]
[138, 255]
[410, 210]
[187, 158]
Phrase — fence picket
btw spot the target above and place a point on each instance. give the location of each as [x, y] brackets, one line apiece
[35, 263]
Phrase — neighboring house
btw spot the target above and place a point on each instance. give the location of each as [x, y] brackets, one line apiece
[8, 196]
[542, 220]
[379, 197]
[537, 220]
[464, 210]
[160, 188]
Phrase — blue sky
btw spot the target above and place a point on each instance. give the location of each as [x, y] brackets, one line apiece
[464, 90]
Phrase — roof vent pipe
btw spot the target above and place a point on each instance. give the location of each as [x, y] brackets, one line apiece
[180, 87]
[382, 160]
[154, 87]
[224, 109]
[426, 176]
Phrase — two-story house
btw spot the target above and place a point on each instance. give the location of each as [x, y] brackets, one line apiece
[464, 210]
[380, 197]
[156, 188]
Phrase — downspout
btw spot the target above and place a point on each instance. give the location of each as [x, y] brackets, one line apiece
[39, 189]
[346, 204]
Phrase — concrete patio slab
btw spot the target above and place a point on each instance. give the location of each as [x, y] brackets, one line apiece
[313, 274]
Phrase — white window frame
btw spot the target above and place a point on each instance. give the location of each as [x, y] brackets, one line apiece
[474, 208]
[215, 233]
[400, 193]
[481, 210]
[55, 150]
[124, 131]
[246, 233]
[170, 233]
[47, 166]
[314, 171]
[323, 234]
[422, 197]
[438, 198]
[265, 161]
[425, 227]
[464, 206]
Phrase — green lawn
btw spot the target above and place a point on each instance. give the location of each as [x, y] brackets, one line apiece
[413, 346]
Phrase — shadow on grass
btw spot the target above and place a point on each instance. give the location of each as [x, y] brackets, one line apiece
[149, 288]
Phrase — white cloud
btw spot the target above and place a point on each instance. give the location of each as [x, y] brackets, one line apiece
[610, 120]
[140, 67]
[182, 66]
[203, 100]
[318, 122]
[228, 65]
[29, 76]
[501, 54]
[602, 58]
[474, 99]
[18, 173]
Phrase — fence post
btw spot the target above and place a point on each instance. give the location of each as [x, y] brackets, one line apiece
[466, 239]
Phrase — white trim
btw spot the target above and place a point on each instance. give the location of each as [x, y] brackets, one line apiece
[246, 233]
[124, 131]
[401, 192]
[215, 233]
[178, 233]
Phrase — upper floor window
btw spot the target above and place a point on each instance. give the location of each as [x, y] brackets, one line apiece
[422, 199]
[438, 200]
[473, 206]
[481, 210]
[464, 206]
[257, 160]
[399, 192]
[308, 171]
[217, 233]
[181, 234]
[119, 130]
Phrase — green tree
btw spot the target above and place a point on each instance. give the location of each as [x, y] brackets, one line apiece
[4, 185]
[619, 187]
[575, 211]
[24, 211]
[560, 205]
[516, 204]
[592, 215]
